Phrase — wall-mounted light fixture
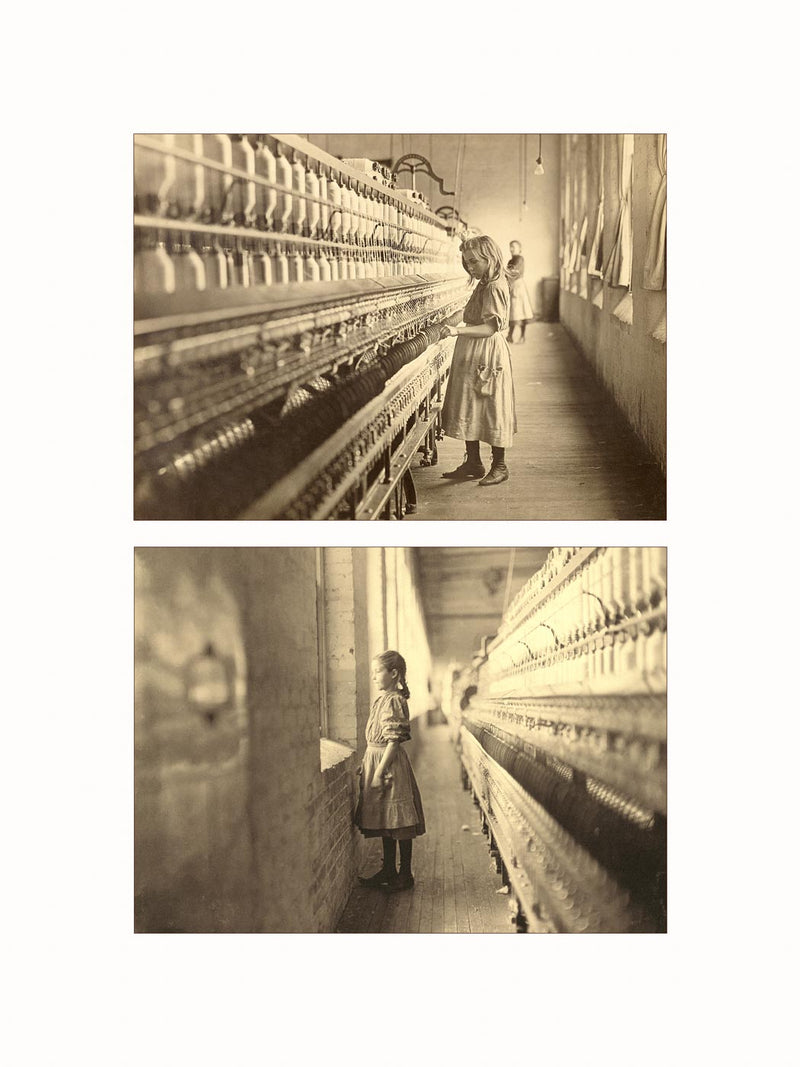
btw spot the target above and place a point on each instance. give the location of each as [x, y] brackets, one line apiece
[539, 169]
[209, 681]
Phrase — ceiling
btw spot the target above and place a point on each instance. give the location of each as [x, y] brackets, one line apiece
[464, 593]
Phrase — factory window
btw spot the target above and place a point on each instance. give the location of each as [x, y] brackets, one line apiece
[322, 650]
[654, 269]
[330, 752]
[575, 232]
[617, 269]
[594, 264]
[655, 262]
[336, 644]
[582, 213]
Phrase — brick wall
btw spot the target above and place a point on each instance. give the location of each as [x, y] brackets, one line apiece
[278, 589]
[238, 828]
[333, 835]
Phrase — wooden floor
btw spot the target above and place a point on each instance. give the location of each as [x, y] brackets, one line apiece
[456, 887]
[574, 456]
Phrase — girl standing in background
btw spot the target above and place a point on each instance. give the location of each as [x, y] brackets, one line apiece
[521, 310]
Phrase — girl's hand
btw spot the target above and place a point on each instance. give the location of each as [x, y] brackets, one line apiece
[449, 331]
[380, 781]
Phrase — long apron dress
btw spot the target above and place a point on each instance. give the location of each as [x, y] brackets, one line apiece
[479, 403]
[394, 810]
[521, 309]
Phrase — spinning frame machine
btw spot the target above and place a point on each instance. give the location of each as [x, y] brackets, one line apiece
[288, 362]
[561, 730]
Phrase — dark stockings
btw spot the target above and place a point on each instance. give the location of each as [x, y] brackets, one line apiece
[405, 856]
[473, 451]
[390, 853]
[498, 456]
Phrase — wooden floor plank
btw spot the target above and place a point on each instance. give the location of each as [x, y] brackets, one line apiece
[461, 896]
[574, 456]
[455, 887]
[379, 904]
[390, 914]
[402, 915]
[449, 925]
[478, 920]
[415, 906]
[429, 890]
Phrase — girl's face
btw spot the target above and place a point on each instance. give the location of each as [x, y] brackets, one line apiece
[476, 264]
[515, 248]
[383, 678]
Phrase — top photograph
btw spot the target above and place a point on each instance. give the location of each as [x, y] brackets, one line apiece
[400, 326]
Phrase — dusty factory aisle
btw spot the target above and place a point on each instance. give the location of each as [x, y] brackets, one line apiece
[574, 456]
[456, 890]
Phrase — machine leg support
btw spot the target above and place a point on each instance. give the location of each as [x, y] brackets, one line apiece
[494, 852]
[519, 920]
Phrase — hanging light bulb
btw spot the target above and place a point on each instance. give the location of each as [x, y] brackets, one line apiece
[524, 173]
[539, 169]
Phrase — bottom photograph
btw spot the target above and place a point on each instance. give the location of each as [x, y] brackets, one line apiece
[400, 740]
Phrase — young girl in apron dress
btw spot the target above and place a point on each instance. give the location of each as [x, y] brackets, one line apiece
[389, 805]
[479, 403]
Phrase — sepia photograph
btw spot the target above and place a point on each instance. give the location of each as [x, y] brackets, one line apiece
[350, 740]
[242, 750]
[378, 326]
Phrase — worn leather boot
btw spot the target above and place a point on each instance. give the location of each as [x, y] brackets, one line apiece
[403, 880]
[498, 474]
[468, 469]
[381, 877]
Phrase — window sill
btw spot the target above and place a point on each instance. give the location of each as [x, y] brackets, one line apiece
[332, 753]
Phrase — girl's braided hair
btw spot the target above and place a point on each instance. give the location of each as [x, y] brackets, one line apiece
[393, 661]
